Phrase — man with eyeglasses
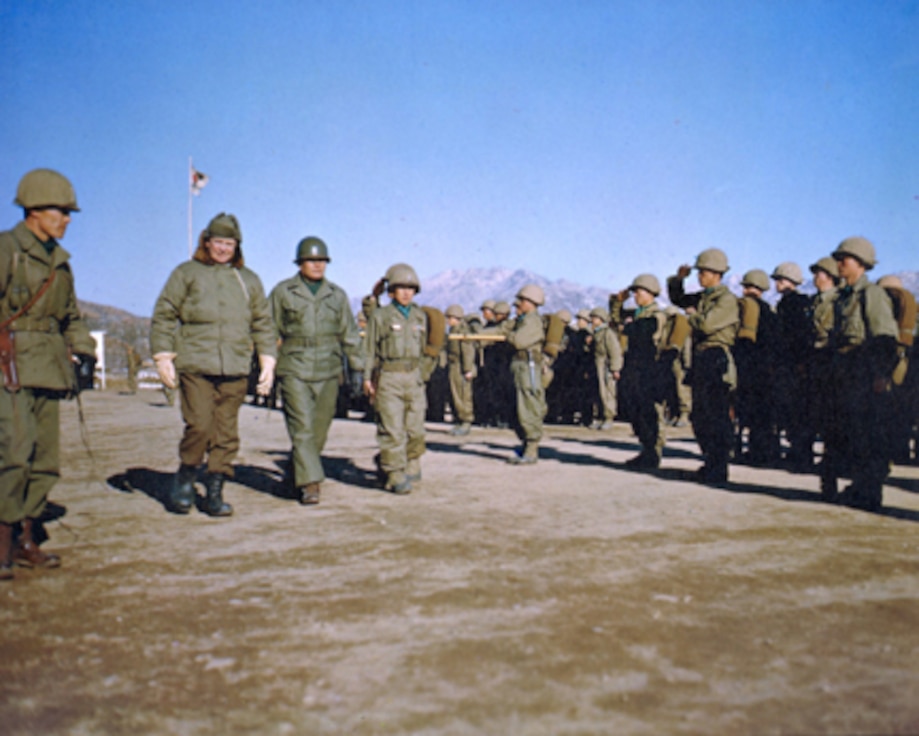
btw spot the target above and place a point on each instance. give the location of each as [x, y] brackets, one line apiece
[40, 328]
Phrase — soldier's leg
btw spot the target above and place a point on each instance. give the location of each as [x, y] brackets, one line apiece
[198, 396]
[18, 434]
[224, 444]
[299, 409]
[46, 462]
[391, 431]
[414, 428]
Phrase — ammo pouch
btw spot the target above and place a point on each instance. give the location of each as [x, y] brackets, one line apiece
[8, 360]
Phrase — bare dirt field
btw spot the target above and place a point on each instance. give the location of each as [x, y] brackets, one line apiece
[570, 597]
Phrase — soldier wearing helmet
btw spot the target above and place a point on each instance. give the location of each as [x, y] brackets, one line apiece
[40, 325]
[713, 319]
[318, 337]
[863, 341]
[206, 320]
[393, 352]
[793, 364]
[647, 373]
[755, 353]
[461, 370]
[607, 351]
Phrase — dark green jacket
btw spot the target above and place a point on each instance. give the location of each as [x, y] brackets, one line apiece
[53, 325]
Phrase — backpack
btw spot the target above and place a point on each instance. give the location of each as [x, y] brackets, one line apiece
[904, 312]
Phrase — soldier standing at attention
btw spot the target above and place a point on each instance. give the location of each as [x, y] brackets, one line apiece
[462, 369]
[207, 318]
[864, 344]
[39, 324]
[317, 331]
[796, 341]
[826, 276]
[647, 372]
[527, 337]
[608, 361]
[393, 351]
[713, 319]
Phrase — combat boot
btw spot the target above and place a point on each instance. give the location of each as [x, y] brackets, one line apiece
[413, 470]
[309, 494]
[214, 504]
[182, 493]
[28, 554]
[461, 429]
[6, 551]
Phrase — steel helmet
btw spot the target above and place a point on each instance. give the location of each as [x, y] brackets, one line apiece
[46, 188]
[401, 274]
[790, 271]
[225, 226]
[533, 293]
[648, 282]
[564, 315]
[502, 308]
[712, 259]
[858, 247]
[312, 249]
[600, 313]
[488, 304]
[826, 264]
[454, 310]
[758, 278]
[584, 314]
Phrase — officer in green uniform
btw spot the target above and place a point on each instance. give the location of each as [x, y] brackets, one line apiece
[713, 318]
[208, 317]
[527, 337]
[313, 318]
[38, 312]
[608, 362]
[393, 350]
[461, 370]
[864, 344]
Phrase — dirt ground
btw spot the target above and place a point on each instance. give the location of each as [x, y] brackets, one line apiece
[570, 597]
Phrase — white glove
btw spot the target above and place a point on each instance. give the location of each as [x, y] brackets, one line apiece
[266, 366]
[166, 367]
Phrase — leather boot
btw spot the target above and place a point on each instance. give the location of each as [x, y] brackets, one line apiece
[309, 494]
[214, 504]
[29, 554]
[6, 551]
[182, 493]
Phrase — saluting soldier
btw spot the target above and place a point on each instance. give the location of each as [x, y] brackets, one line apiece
[393, 351]
[318, 332]
[462, 370]
[39, 324]
[864, 344]
[713, 318]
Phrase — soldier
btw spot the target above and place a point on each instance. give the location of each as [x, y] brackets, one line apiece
[462, 370]
[39, 325]
[713, 318]
[792, 364]
[500, 354]
[317, 330]
[825, 277]
[393, 352]
[647, 371]
[527, 338]
[864, 344]
[205, 321]
[755, 354]
[588, 397]
[608, 362]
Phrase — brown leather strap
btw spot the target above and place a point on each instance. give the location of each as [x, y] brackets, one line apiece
[31, 303]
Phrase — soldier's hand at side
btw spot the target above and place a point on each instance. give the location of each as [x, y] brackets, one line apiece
[166, 368]
[369, 390]
[266, 375]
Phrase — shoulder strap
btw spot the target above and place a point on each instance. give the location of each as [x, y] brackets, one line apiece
[31, 303]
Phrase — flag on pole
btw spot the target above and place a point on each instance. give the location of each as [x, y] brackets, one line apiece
[198, 181]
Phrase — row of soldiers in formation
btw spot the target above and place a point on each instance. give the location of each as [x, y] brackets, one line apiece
[841, 381]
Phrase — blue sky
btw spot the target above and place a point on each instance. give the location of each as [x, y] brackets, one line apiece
[588, 141]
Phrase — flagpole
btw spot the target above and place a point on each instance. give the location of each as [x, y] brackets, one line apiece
[190, 169]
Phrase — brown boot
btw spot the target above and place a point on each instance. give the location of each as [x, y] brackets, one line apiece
[309, 494]
[6, 551]
[28, 554]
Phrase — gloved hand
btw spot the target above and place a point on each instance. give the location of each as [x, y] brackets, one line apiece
[266, 366]
[166, 368]
[85, 368]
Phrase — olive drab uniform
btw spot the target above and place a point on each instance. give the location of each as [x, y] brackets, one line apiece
[393, 351]
[318, 332]
[647, 375]
[461, 360]
[527, 337]
[608, 361]
[863, 341]
[822, 306]
[713, 375]
[44, 337]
